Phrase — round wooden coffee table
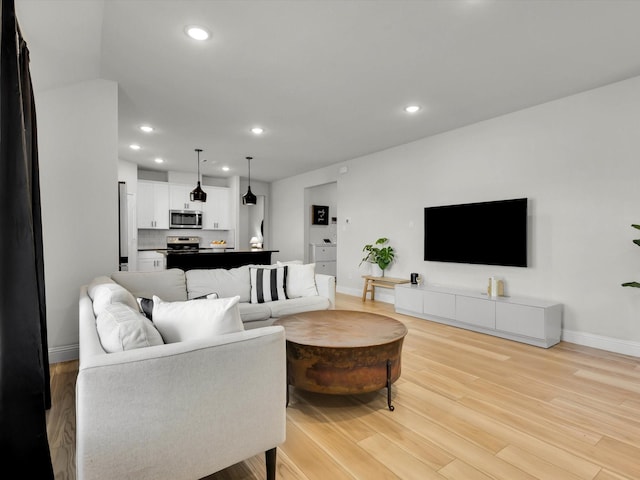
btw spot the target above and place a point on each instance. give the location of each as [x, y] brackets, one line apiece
[342, 352]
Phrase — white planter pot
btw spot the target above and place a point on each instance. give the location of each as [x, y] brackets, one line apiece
[376, 271]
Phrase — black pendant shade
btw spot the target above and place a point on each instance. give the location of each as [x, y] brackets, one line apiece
[249, 198]
[197, 194]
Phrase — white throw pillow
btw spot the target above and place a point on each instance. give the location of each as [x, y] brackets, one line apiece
[121, 328]
[301, 280]
[268, 284]
[110, 293]
[196, 319]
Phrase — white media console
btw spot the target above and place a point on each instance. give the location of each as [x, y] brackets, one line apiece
[527, 320]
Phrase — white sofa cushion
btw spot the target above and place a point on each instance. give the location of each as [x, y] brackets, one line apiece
[251, 312]
[170, 285]
[301, 279]
[292, 306]
[268, 284]
[106, 294]
[226, 283]
[196, 319]
[121, 327]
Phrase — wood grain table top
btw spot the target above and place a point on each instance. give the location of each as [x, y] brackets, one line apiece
[341, 329]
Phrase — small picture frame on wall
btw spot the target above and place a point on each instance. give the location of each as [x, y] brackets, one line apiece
[320, 215]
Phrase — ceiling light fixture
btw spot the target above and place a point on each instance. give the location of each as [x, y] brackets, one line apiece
[197, 33]
[412, 109]
[134, 146]
[146, 128]
[197, 194]
[249, 198]
[158, 160]
[225, 169]
[257, 130]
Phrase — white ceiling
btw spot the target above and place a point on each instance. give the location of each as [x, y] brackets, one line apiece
[327, 80]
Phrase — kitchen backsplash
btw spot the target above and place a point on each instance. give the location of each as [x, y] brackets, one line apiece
[152, 238]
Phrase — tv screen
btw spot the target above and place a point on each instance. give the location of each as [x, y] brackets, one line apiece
[487, 233]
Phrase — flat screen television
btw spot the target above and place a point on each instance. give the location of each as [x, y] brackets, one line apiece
[487, 233]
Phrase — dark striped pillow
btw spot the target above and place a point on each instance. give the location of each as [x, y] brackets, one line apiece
[268, 284]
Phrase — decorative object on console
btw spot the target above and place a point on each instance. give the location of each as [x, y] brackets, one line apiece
[255, 242]
[495, 287]
[320, 215]
[414, 278]
[637, 242]
[197, 194]
[378, 255]
[249, 198]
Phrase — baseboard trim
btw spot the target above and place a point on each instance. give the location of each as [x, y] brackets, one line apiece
[64, 354]
[600, 342]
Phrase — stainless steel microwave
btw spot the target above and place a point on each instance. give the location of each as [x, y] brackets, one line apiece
[185, 219]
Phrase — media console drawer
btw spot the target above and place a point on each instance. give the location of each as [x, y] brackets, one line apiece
[528, 320]
[476, 311]
[440, 304]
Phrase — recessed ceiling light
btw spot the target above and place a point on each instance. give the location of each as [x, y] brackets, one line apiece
[158, 160]
[257, 130]
[197, 33]
[412, 109]
[134, 146]
[146, 128]
[225, 169]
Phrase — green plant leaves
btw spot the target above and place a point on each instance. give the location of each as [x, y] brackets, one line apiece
[381, 256]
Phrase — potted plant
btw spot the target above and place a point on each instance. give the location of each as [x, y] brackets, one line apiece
[379, 255]
[637, 242]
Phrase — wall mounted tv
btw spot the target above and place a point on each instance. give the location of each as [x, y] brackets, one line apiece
[487, 233]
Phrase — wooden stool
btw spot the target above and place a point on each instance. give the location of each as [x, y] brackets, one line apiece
[371, 282]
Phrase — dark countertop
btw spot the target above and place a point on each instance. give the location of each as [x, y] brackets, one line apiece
[218, 258]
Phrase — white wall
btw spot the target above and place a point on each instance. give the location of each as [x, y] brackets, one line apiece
[288, 211]
[78, 151]
[576, 159]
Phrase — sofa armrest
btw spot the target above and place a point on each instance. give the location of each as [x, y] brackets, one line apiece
[182, 410]
[326, 285]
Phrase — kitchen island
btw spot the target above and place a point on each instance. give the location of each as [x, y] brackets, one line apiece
[205, 258]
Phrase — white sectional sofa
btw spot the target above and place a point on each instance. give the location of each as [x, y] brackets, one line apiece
[148, 409]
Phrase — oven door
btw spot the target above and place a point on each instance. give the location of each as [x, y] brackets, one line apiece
[185, 219]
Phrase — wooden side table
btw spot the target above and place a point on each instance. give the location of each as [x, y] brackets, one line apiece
[371, 282]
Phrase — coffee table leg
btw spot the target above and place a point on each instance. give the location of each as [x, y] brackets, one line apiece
[391, 407]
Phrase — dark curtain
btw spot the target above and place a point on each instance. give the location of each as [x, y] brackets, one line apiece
[25, 393]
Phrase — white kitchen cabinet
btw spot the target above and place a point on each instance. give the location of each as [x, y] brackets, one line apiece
[153, 205]
[216, 211]
[150, 261]
[324, 256]
[180, 197]
[528, 320]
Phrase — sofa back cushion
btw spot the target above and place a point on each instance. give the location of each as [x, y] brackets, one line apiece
[196, 319]
[226, 283]
[121, 328]
[170, 285]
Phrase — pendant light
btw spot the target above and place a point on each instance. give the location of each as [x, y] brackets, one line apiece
[249, 198]
[197, 194]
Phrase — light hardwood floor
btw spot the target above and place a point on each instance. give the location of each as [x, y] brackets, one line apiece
[467, 406]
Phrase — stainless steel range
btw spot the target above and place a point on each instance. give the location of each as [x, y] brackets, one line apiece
[177, 244]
